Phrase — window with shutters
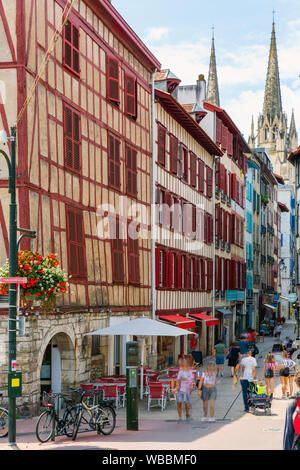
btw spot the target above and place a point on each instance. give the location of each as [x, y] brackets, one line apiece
[131, 171]
[173, 154]
[114, 162]
[113, 77]
[130, 96]
[117, 248]
[76, 245]
[133, 256]
[161, 133]
[72, 139]
[193, 170]
[71, 47]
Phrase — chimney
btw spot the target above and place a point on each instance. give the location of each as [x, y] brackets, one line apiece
[200, 90]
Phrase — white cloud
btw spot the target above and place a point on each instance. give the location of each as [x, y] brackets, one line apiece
[156, 34]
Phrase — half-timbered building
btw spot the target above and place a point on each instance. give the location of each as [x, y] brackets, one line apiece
[84, 171]
[184, 201]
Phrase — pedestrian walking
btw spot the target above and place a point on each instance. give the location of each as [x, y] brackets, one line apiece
[219, 356]
[233, 357]
[269, 372]
[286, 374]
[184, 386]
[247, 368]
[207, 389]
[243, 345]
[278, 330]
[290, 437]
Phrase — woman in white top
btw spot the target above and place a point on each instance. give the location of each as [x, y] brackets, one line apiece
[286, 373]
[208, 391]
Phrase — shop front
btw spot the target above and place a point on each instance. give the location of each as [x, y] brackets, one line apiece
[223, 331]
[169, 348]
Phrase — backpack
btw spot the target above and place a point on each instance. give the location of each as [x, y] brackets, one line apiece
[269, 374]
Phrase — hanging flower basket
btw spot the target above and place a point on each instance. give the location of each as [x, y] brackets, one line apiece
[45, 279]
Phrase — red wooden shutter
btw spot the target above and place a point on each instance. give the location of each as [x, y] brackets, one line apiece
[230, 143]
[161, 145]
[210, 271]
[157, 266]
[133, 259]
[131, 171]
[130, 95]
[218, 131]
[201, 176]
[113, 92]
[179, 270]
[218, 173]
[233, 186]
[224, 137]
[193, 169]
[209, 182]
[218, 274]
[203, 274]
[173, 154]
[75, 238]
[114, 162]
[72, 139]
[117, 253]
[71, 47]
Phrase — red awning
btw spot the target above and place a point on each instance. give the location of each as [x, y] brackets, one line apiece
[180, 322]
[210, 321]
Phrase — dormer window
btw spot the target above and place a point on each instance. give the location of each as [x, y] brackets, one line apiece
[172, 85]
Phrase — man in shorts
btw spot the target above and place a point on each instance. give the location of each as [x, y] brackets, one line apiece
[247, 367]
[219, 354]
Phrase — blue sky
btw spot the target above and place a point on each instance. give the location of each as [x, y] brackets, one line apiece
[180, 37]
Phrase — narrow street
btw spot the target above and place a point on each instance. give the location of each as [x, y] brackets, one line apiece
[158, 430]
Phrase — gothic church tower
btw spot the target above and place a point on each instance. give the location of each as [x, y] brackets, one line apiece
[273, 132]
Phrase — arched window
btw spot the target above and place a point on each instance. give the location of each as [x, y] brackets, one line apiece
[267, 133]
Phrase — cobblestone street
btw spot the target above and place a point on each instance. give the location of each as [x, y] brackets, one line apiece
[158, 430]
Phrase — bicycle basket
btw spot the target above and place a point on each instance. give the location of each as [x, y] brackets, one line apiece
[76, 396]
[48, 399]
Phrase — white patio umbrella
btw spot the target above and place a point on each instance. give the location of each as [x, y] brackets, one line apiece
[141, 327]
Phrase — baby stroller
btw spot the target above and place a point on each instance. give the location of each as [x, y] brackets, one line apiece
[258, 398]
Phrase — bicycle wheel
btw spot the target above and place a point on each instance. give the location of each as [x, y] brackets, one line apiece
[44, 426]
[76, 424]
[106, 420]
[70, 419]
[3, 422]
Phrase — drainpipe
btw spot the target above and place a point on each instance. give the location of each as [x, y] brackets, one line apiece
[153, 205]
[214, 223]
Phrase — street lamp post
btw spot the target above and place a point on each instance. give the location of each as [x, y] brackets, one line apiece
[13, 260]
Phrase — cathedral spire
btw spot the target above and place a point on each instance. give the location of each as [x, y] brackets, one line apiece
[252, 139]
[293, 131]
[272, 102]
[212, 95]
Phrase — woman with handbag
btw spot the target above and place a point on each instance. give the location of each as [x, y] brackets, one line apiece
[285, 372]
[268, 373]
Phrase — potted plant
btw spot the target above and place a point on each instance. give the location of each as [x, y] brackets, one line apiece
[45, 279]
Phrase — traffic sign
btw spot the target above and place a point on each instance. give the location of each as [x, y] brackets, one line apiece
[13, 280]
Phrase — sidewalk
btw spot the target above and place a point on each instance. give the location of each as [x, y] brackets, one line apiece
[160, 430]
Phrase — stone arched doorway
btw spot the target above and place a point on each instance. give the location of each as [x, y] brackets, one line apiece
[58, 364]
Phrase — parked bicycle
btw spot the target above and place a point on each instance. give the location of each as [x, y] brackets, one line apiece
[3, 420]
[49, 424]
[98, 416]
